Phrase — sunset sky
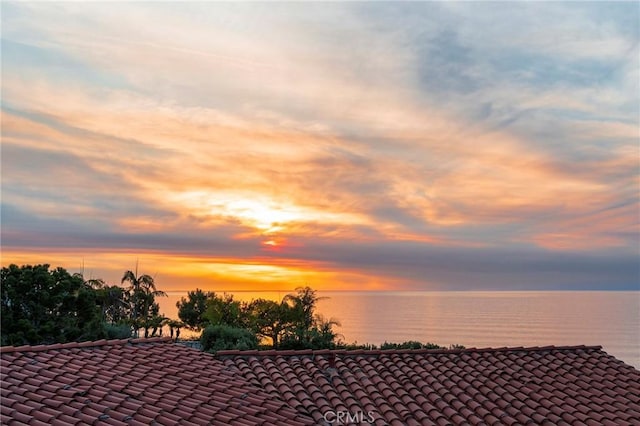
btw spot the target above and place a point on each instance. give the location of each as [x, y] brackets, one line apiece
[360, 146]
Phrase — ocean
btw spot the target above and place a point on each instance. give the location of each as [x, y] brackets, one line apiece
[478, 319]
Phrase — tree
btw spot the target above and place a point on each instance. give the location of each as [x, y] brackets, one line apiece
[40, 306]
[322, 335]
[174, 328]
[303, 303]
[191, 311]
[113, 302]
[95, 283]
[271, 319]
[154, 322]
[142, 294]
[225, 310]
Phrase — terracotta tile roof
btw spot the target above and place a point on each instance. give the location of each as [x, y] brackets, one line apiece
[151, 381]
[130, 382]
[549, 385]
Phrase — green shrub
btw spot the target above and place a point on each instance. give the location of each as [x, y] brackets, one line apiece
[117, 331]
[412, 344]
[223, 337]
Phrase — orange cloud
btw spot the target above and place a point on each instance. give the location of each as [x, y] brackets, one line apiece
[260, 140]
[176, 272]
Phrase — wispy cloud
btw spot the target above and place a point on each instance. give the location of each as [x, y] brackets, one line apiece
[353, 145]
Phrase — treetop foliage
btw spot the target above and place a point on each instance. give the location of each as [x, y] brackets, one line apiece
[41, 305]
[291, 323]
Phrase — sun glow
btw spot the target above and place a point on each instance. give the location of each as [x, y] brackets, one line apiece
[266, 216]
[254, 210]
[261, 212]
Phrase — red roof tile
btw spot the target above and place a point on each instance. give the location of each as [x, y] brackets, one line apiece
[150, 380]
[131, 382]
[472, 386]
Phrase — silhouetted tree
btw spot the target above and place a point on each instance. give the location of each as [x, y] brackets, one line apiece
[39, 305]
[174, 327]
[192, 309]
[225, 310]
[323, 335]
[271, 319]
[142, 294]
[114, 306]
[303, 304]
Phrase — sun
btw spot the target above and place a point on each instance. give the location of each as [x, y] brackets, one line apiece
[266, 216]
[257, 211]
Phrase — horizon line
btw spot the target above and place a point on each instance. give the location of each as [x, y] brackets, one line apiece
[410, 291]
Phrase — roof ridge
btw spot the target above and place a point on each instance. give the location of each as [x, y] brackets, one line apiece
[535, 348]
[86, 344]
[365, 352]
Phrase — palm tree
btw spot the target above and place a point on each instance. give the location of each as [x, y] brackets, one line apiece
[96, 283]
[142, 289]
[324, 335]
[114, 303]
[111, 298]
[303, 302]
[175, 325]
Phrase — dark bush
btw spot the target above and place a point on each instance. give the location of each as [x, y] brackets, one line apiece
[411, 344]
[223, 337]
[117, 331]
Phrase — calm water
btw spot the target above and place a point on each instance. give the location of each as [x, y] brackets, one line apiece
[480, 319]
